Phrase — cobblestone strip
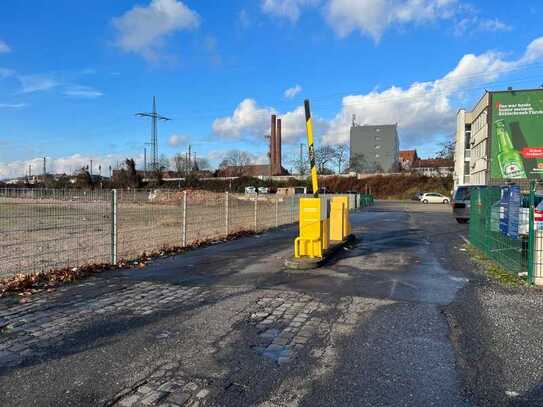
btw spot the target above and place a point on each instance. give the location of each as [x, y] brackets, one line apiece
[27, 330]
[285, 323]
[349, 312]
[168, 386]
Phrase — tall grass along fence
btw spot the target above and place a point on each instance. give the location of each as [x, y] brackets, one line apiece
[507, 227]
[49, 229]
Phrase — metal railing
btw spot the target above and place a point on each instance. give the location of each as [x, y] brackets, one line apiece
[52, 229]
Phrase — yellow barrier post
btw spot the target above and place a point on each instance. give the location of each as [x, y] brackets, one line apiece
[340, 227]
[319, 223]
[313, 238]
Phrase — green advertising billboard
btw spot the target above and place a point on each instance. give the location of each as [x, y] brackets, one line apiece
[516, 125]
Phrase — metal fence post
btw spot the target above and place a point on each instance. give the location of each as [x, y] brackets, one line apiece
[292, 209]
[531, 234]
[113, 226]
[227, 213]
[276, 212]
[184, 232]
[256, 213]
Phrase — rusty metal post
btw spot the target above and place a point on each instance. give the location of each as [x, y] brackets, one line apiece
[279, 167]
[273, 143]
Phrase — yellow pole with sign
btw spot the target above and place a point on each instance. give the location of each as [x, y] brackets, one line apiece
[311, 148]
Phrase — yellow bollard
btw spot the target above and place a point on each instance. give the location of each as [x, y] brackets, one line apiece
[340, 227]
[314, 235]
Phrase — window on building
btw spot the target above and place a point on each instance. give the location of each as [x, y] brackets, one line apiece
[377, 138]
[377, 146]
[467, 137]
[377, 156]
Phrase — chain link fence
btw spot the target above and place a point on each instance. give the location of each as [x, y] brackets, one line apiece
[510, 235]
[46, 229]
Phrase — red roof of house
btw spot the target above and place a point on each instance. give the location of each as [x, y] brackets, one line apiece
[408, 155]
[433, 163]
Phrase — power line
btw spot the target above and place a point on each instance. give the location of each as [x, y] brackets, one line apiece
[155, 117]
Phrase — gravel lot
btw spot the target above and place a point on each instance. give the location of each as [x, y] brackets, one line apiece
[496, 331]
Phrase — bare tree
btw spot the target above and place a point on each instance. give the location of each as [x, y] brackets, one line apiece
[201, 164]
[164, 163]
[358, 163]
[447, 150]
[300, 164]
[181, 163]
[323, 156]
[237, 161]
[340, 156]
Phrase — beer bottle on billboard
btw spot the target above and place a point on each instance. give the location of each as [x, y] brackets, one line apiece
[510, 161]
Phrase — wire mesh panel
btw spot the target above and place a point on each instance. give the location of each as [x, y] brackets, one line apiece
[241, 209]
[285, 210]
[486, 213]
[266, 212]
[148, 221]
[53, 229]
[538, 256]
[205, 216]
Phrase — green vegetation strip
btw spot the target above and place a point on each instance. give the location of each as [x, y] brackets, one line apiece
[496, 272]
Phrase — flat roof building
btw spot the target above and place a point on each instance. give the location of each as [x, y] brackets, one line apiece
[499, 140]
[374, 148]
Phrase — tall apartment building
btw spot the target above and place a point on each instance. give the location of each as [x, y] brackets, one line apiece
[374, 148]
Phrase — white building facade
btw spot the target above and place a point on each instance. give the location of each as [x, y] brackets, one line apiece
[472, 140]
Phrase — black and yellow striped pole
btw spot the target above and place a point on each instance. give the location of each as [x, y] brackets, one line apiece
[311, 149]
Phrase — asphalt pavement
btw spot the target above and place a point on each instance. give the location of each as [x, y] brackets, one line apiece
[382, 324]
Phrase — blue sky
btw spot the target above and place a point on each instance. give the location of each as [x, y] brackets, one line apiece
[72, 77]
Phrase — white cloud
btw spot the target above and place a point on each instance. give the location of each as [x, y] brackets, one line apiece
[247, 119]
[493, 24]
[474, 24]
[36, 83]
[177, 140]
[253, 122]
[4, 48]
[290, 9]
[12, 105]
[534, 51]
[373, 17]
[427, 108]
[85, 92]
[63, 165]
[292, 92]
[142, 29]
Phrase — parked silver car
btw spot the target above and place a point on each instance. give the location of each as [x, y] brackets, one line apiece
[461, 202]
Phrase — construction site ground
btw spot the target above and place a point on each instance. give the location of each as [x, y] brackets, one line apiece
[399, 317]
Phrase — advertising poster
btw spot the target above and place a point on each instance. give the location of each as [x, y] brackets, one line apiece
[516, 121]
